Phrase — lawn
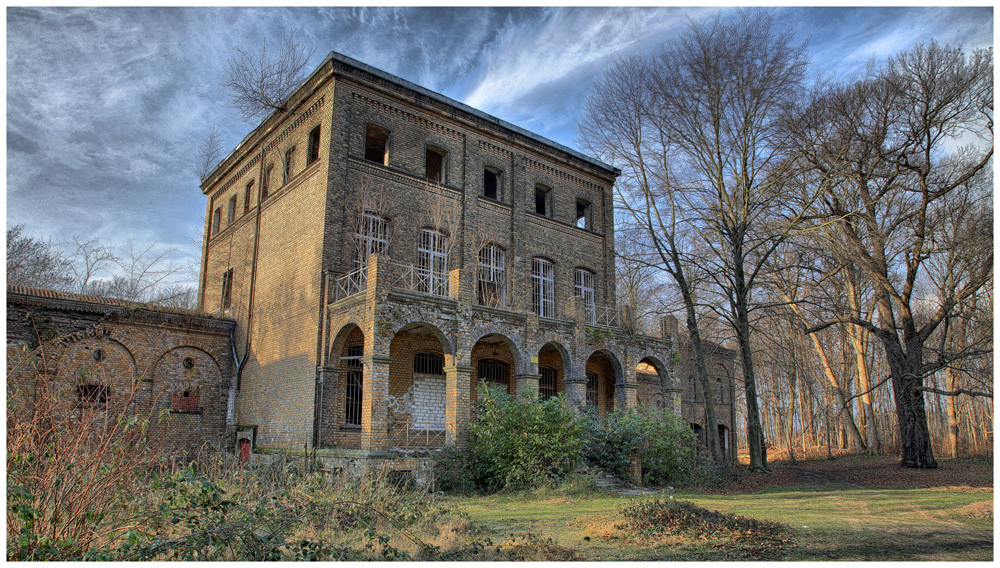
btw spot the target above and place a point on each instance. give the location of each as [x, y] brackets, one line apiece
[828, 518]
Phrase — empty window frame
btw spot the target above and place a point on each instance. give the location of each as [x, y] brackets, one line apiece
[432, 262]
[92, 394]
[427, 363]
[546, 383]
[492, 285]
[246, 197]
[583, 219]
[266, 183]
[491, 184]
[372, 237]
[592, 389]
[216, 220]
[354, 392]
[543, 200]
[312, 148]
[583, 287]
[227, 290]
[434, 163]
[492, 371]
[376, 144]
[289, 165]
[231, 213]
[543, 287]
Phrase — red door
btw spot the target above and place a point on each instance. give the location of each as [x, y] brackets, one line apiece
[244, 450]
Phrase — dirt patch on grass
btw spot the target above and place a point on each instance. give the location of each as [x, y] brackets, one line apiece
[978, 510]
[866, 471]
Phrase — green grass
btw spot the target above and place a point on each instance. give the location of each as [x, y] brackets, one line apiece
[843, 524]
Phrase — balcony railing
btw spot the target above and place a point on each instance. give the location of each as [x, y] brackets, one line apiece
[422, 281]
[603, 315]
[351, 283]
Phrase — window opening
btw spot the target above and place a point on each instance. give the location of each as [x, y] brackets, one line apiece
[312, 148]
[246, 198]
[434, 164]
[372, 237]
[231, 215]
[432, 263]
[543, 287]
[266, 184]
[491, 184]
[583, 214]
[92, 394]
[376, 144]
[492, 276]
[546, 383]
[428, 363]
[227, 289]
[542, 201]
[216, 220]
[591, 388]
[492, 371]
[289, 164]
[354, 395]
[584, 288]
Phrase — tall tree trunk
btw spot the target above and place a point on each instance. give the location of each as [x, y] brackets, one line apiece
[712, 436]
[951, 384]
[914, 434]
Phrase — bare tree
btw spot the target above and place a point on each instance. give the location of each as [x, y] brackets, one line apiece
[209, 153]
[143, 274]
[87, 260]
[35, 263]
[259, 82]
[888, 151]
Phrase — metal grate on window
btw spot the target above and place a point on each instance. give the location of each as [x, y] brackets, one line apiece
[591, 388]
[492, 277]
[372, 237]
[354, 394]
[543, 287]
[584, 288]
[493, 371]
[428, 363]
[432, 262]
[546, 383]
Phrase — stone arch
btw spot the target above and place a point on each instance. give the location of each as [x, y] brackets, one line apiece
[492, 335]
[428, 328]
[553, 357]
[503, 355]
[605, 381]
[650, 373]
[98, 359]
[337, 414]
[416, 396]
[170, 371]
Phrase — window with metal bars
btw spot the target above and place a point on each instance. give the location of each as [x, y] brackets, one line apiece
[372, 237]
[492, 289]
[493, 371]
[591, 388]
[546, 383]
[543, 287]
[584, 288]
[354, 395]
[427, 363]
[432, 262]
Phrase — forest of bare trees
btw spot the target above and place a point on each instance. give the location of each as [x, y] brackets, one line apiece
[842, 232]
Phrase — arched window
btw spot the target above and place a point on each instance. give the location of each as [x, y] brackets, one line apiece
[546, 383]
[492, 371]
[372, 237]
[353, 396]
[492, 285]
[584, 288]
[543, 287]
[432, 262]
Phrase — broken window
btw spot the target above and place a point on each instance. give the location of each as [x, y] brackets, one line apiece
[354, 394]
[546, 383]
[231, 215]
[542, 199]
[434, 163]
[427, 363]
[376, 144]
[289, 164]
[591, 388]
[432, 263]
[92, 394]
[583, 214]
[312, 149]
[216, 220]
[543, 287]
[246, 198]
[491, 183]
[227, 289]
[584, 288]
[372, 237]
[492, 289]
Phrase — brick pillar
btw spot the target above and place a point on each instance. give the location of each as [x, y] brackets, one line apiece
[458, 405]
[576, 390]
[327, 382]
[374, 411]
[527, 384]
[631, 391]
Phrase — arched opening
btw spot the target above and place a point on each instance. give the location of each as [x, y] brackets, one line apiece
[648, 377]
[417, 388]
[551, 370]
[603, 374]
[699, 435]
[340, 392]
[493, 363]
[724, 439]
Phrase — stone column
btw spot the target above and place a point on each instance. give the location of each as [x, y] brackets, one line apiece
[631, 391]
[527, 384]
[458, 405]
[576, 390]
[327, 383]
[374, 411]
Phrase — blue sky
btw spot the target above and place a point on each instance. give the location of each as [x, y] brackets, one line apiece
[106, 106]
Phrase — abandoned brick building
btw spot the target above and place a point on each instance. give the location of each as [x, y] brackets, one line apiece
[379, 250]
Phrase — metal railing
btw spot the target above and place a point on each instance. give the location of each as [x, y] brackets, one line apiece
[351, 283]
[603, 315]
[415, 279]
[404, 432]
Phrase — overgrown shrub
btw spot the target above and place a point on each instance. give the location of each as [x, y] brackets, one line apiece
[514, 442]
[664, 443]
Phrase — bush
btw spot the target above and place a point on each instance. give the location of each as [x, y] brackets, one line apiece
[514, 442]
[661, 439]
